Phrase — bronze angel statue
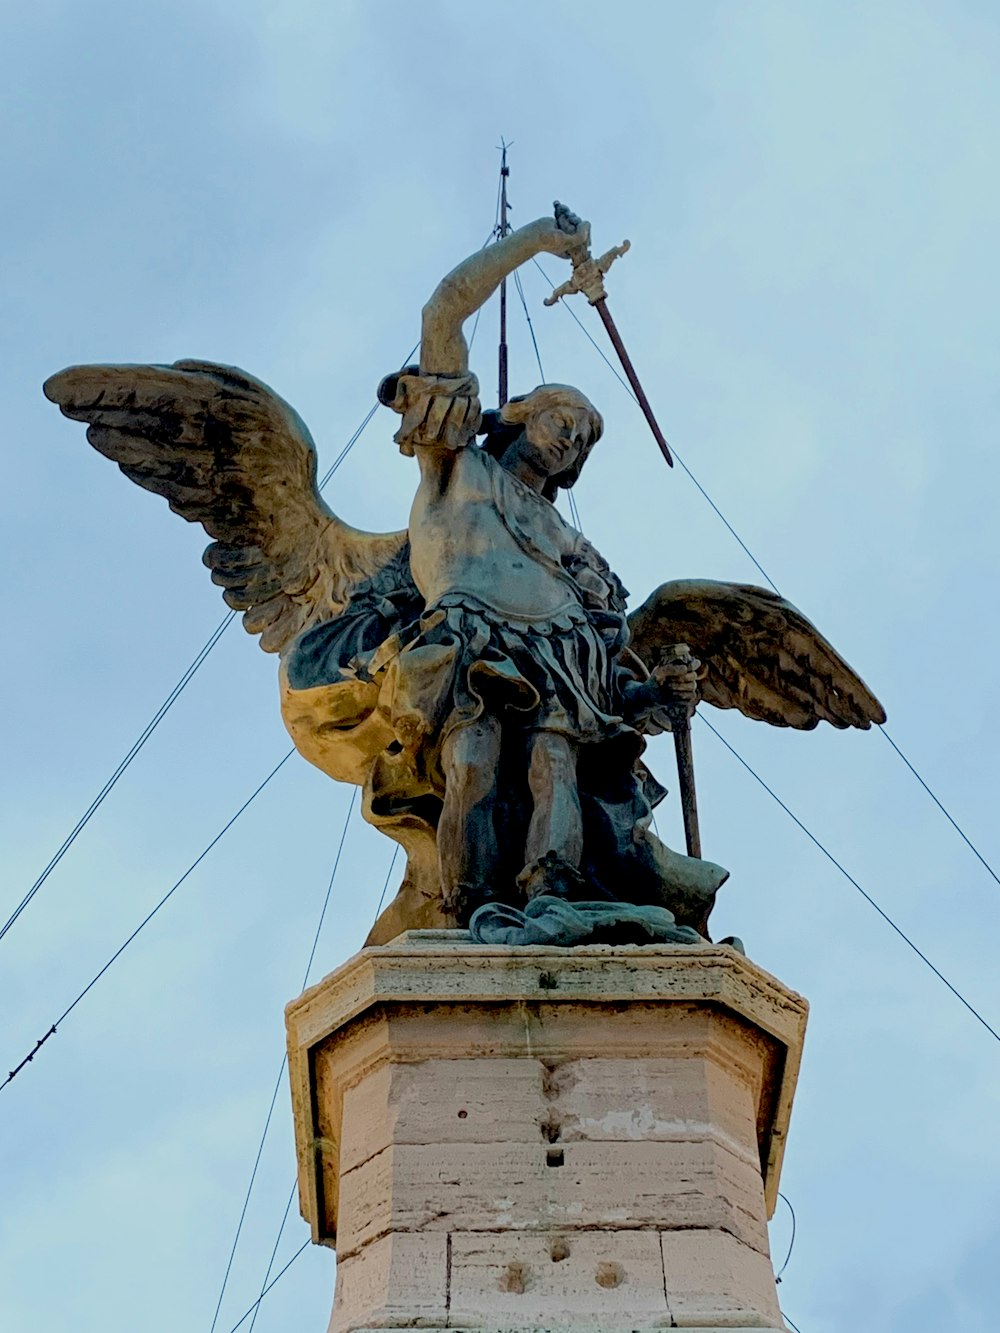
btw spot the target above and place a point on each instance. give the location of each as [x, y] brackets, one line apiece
[477, 673]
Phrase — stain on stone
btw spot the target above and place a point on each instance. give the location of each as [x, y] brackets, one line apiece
[515, 1278]
[551, 1128]
[609, 1275]
[550, 1081]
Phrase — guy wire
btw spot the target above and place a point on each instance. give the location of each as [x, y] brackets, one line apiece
[274, 1251]
[145, 922]
[265, 1287]
[531, 327]
[284, 1061]
[791, 1242]
[958, 829]
[137, 745]
[280, 1274]
[385, 886]
[851, 880]
[246, 1201]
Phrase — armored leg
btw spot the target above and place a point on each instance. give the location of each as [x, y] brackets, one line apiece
[466, 837]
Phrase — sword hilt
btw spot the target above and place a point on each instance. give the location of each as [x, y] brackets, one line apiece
[588, 275]
[679, 655]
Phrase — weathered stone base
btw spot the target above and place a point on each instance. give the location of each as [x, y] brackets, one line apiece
[531, 1138]
[600, 1279]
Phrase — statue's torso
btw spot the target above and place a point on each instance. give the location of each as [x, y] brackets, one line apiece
[476, 531]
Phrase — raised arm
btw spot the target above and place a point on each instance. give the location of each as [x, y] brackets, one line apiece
[443, 349]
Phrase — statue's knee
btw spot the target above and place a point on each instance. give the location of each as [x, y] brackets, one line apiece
[469, 775]
[552, 758]
[475, 744]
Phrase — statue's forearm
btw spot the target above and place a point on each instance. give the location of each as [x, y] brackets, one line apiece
[443, 349]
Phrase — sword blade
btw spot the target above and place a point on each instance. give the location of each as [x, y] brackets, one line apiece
[601, 307]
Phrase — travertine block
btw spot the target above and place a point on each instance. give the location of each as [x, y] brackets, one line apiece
[711, 1279]
[679, 1098]
[542, 1138]
[441, 1101]
[499, 1277]
[397, 1281]
[484, 1187]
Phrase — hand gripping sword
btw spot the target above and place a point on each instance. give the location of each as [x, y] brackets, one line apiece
[588, 277]
[680, 715]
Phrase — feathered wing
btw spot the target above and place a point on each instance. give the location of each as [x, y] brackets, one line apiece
[226, 452]
[759, 654]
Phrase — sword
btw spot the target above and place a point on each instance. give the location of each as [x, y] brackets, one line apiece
[588, 277]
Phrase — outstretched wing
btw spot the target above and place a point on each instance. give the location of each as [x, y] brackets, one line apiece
[228, 453]
[759, 654]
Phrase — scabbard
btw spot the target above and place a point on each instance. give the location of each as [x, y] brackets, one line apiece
[685, 775]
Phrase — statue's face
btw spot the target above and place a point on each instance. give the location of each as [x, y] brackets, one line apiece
[556, 436]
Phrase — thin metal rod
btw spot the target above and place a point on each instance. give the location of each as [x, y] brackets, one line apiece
[601, 307]
[504, 228]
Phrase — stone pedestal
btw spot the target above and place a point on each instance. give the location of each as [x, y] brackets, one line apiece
[533, 1138]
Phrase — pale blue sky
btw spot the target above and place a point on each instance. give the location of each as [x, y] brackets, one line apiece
[812, 296]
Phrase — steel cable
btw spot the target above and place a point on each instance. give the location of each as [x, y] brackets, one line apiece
[265, 1287]
[791, 1242]
[851, 880]
[280, 1274]
[274, 1252]
[144, 922]
[281, 1070]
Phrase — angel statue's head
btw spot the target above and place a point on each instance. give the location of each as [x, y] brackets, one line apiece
[553, 428]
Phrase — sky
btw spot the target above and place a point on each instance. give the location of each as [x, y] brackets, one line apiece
[811, 299]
